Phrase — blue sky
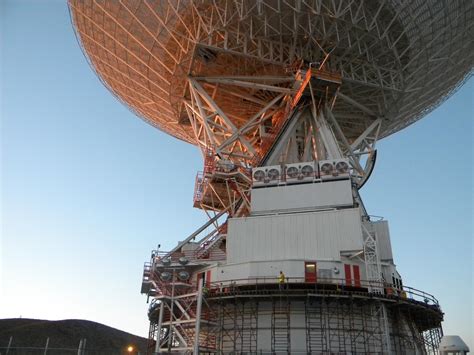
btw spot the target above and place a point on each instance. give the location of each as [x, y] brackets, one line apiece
[88, 189]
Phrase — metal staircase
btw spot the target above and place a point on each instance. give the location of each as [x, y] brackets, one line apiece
[211, 242]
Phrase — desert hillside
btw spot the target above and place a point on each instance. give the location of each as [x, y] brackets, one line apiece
[66, 334]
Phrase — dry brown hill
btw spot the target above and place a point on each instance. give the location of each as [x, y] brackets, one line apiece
[64, 335]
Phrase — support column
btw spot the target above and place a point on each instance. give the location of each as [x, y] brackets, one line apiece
[198, 320]
[386, 328]
[158, 328]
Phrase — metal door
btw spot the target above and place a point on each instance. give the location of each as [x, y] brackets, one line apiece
[310, 271]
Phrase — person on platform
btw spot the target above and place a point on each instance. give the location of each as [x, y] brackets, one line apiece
[281, 280]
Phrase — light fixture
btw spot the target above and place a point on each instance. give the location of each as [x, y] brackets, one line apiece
[165, 276]
[183, 275]
[166, 261]
[183, 260]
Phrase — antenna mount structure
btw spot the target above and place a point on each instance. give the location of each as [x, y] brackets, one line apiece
[286, 101]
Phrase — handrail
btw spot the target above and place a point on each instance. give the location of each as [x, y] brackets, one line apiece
[262, 283]
[405, 292]
[207, 244]
[198, 231]
[198, 186]
[203, 178]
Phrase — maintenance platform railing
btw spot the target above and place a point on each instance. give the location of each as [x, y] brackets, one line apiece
[217, 173]
[298, 285]
[337, 293]
[330, 285]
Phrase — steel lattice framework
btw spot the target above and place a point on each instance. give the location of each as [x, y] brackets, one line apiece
[210, 72]
[271, 83]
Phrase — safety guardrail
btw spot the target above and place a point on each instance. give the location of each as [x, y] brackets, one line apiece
[292, 283]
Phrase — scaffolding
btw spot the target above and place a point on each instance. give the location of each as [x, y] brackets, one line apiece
[324, 323]
[255, 315]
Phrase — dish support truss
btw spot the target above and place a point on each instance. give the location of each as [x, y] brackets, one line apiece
[296, 124]
[398, 59]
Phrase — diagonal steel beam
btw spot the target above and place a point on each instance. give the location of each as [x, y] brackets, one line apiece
[376, 124]
[248, 84]
[200, 90]
[357, 104]
[251, 122]
[347, 146]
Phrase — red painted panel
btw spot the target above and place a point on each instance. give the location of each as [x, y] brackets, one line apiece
[347, 270]
[355, 269]
[208, 279]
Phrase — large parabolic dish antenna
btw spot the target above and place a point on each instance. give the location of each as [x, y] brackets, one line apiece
[397, 59]
[286, 100]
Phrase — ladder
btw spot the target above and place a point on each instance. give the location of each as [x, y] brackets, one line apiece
[281, 326]
[315, 328]
[249, 327]
[372, 262]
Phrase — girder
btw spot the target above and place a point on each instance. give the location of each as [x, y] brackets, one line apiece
[397, 58]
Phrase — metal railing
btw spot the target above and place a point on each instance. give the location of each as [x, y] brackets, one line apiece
[324, 284]
[295, 283]
[199, 186]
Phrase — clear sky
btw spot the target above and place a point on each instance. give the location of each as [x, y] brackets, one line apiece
[88, 189]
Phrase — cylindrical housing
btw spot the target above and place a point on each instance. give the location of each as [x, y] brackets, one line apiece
[323, 323]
